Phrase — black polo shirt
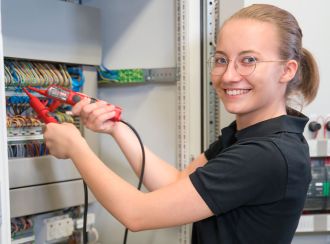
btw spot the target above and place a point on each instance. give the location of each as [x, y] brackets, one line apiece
[255, 182]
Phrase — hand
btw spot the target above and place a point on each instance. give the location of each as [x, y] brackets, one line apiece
[95, 116]
[62, 140]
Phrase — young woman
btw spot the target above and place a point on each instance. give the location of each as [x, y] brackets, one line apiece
[250, 185]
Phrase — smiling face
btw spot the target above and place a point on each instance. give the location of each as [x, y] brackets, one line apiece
[259, 95]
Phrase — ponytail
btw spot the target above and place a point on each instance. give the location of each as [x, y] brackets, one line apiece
[309, 76]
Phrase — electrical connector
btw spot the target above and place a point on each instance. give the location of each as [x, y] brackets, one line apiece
[327, 126]
[59, 227]
[90, 221]
[314, 126]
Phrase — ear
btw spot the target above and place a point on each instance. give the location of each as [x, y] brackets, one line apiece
[290, 70]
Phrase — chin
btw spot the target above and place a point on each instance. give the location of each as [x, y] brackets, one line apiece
[233, 108]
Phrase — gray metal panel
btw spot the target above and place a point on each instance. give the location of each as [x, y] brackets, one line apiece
[38, 199]
[40, 170]
[52, 31]
[4, 182]
[137, 34]
[90, 88]
[161, 75]
[211, 101]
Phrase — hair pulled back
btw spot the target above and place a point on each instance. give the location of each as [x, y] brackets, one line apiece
[306, 81]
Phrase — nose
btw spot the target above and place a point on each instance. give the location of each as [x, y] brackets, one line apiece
[231, 73]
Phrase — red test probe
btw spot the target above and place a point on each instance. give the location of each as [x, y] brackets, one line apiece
[64, 95]
[44, 114]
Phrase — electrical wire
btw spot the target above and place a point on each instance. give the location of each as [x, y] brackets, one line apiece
[85, 236]
[142, 168]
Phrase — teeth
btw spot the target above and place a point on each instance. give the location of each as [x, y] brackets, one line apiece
[236, 92]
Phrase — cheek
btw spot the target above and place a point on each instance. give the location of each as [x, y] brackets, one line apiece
[216, 81]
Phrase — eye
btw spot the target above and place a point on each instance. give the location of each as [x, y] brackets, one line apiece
[220, 60]
[248, 60]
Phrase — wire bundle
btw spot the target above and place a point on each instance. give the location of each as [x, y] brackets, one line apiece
[27, 149]
[63, 117]
[20, 114]
[19, 121]
[23, 125]
[20, 226]
[123, 76]
[17, 106]
[27, 73]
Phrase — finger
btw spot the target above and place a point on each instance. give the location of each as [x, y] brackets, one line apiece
[101, 103]
[101, 115]
[104, 120]
[102, 109]
[88, 109]
[76, 109]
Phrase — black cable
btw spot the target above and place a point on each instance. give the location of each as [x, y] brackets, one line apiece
[85, 236]
[142, 167]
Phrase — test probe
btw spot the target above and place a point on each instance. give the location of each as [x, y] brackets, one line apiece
[61, 95]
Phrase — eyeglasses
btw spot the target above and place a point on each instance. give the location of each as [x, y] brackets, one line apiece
[244, 65]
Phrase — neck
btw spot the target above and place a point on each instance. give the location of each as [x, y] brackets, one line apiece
[253, 117]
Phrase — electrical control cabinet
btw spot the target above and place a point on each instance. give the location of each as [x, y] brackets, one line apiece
[123, 34]
[168, 98]
[37, 182]
[319, 187]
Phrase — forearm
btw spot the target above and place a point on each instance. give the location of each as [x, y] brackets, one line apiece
[158, 172]
[119, 197]
[176, 204]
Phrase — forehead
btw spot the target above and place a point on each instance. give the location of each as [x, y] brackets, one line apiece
[238, 35]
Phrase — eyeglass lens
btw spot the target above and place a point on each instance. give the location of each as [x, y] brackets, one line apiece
[244, 65]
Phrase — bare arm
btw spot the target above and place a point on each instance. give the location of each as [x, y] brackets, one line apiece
[158, 173]
[175, 204]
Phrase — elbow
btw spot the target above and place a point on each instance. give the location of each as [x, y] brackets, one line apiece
[135, 225]
[134, 215]
[133, 228]
[134, 220]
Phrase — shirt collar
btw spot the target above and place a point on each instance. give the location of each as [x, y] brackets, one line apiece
[293, 123]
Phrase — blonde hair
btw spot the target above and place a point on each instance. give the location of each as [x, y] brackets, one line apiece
[306, 81]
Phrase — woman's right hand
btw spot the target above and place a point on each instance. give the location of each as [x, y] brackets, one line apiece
[96, 116]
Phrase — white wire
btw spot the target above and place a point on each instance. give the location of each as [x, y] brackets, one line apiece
[93, 233]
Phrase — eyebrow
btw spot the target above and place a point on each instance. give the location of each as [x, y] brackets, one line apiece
[240, 53]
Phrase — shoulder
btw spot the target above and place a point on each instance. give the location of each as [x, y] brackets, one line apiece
[259, 159]
[248, 172]
[257, 152]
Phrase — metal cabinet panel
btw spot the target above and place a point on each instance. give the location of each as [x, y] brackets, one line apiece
[40, 170]
[43, 198]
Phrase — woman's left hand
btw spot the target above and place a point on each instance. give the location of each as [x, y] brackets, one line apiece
[62, 140]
